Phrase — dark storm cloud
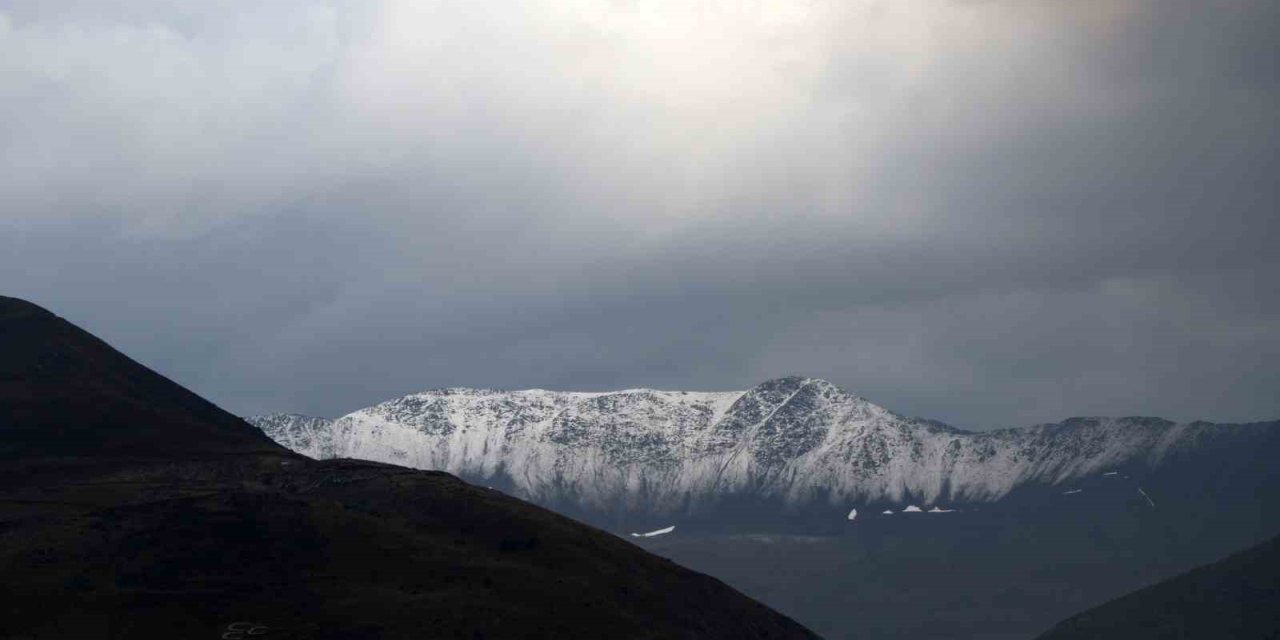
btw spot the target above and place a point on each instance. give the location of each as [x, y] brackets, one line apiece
[984, 212]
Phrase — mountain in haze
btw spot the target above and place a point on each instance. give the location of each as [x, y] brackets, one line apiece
[132, 508]
[1236, 597]
[796, 446]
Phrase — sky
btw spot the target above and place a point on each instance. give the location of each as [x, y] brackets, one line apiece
[987, 212]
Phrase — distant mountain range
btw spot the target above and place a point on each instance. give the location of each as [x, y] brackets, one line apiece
[857, 521]
[132, 508]
[801, 448]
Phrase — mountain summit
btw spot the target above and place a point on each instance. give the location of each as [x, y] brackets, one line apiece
[131, 508]
[639, 457]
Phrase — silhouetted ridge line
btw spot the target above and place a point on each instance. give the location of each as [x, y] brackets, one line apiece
[1236, 597]
[64, 392]
[132, 508]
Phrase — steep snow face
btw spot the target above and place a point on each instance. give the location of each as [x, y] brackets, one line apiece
[792, 440]
[308, 435]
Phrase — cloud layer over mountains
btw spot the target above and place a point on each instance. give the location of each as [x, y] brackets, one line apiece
[989, 212]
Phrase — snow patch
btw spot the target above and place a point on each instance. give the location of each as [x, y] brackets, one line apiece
[887, 512]
[912, 509]
[853, 513]
[1149, 500]
[1110, 473]
[1072, 492]
[658, 532]
[941, 510]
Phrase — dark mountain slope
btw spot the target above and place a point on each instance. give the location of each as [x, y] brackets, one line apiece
[130, 508]
[1235, 598]
[65, 393]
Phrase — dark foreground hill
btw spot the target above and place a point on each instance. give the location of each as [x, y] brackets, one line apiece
[1235, 598]
[131, 508]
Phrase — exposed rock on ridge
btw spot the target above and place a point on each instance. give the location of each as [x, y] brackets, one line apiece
[793, 440]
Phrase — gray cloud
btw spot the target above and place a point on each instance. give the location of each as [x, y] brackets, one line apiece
[985, 212]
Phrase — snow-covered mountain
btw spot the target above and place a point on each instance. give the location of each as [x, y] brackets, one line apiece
[795, 441]
[312, 437]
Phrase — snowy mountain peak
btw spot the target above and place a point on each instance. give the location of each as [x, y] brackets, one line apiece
[795, 440]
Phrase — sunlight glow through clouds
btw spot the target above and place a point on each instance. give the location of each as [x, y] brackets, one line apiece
[897, 195]
[706, 86]
[655, 114]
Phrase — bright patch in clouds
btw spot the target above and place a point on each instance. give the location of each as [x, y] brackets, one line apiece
[990, 212]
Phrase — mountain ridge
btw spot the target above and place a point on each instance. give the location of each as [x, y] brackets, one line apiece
[793, 441]
[66, 393]
[132, 508]
[1235, 597]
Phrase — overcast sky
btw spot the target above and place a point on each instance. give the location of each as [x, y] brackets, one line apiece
[987, 212]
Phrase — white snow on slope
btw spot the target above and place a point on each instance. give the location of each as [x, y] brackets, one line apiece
[853, 514]
[794, 440]
[1149, 500]
[1072, 492]
[887, 512]
[659, 532]
[912, 509]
